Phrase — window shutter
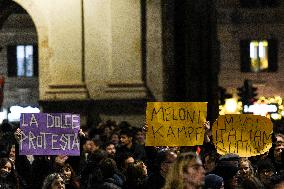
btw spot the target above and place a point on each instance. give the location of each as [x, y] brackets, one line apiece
[12, 60]
[35, 60]
[245, 55]
[272, 55]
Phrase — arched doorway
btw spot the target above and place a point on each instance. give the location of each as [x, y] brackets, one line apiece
[18, 60]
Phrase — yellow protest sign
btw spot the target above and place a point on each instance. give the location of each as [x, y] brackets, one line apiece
[243, 134]
[175, 123]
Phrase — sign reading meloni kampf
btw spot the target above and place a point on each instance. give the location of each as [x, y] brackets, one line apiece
[50, 134]
[175, 123]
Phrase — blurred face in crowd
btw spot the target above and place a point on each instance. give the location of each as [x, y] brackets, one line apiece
[7, 167]
[128, 161]
[107, 132]
[277, 152]
[279, 139]
[110, 149]
[67, 174]
[140, 136]
[194, 174]
[265, 176]
[245, 169]
[142, 166]
[12, 155]
[88, 146]
[209, 163]
[114, 138]
[125, 140]
[58, 183]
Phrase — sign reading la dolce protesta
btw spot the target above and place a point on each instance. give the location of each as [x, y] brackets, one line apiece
[50, 134]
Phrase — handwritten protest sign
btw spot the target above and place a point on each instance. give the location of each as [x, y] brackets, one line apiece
[49, 134]
[243, 134]
[175, 123]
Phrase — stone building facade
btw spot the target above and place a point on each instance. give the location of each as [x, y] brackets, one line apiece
[258, 20]
[105, 59]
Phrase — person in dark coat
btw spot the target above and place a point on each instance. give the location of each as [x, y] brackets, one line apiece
[129, 146]
[111, 180]
[227, 167]
[213, 182]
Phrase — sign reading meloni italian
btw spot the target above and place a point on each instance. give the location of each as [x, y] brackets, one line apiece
[243, 134]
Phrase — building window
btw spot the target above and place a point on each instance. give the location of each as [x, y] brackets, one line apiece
[259, 3]
[259, 55]
[22, 61]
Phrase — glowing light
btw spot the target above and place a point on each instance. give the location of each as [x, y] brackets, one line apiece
[231, 105]
[17, 110]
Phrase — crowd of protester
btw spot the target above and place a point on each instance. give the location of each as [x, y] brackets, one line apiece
[114, 156]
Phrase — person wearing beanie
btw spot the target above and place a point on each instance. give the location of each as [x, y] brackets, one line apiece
[213, 181]
[227, 167]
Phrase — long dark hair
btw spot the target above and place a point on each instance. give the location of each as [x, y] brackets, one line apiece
[12, 178]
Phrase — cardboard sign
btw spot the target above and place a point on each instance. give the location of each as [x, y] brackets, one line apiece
[243, 134]
[175, 123]
[50, 134]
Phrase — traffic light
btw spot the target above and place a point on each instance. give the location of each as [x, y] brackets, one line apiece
[251, 91]
[223, 95]
[242, 93]
[247, 93]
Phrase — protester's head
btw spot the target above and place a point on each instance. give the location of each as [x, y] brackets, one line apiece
[124, 160]
[53, 181]
[213, 181]
[140, 136]
[108, 167]
[246, 169]
[227, 167]
[265, 170]
[186, 171]
[6, 166]
[126, 137]
[279, 139]
[163, 161]
[12, 153]
[210, 162]
[95, 158]
[114, 138]
[136, 173]
[88, 145]
[7, 174]
[66, 171]
[110, 149]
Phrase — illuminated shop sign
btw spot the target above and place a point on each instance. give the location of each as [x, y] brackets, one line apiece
[261, 109]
